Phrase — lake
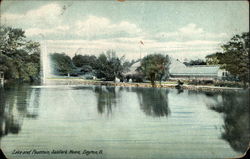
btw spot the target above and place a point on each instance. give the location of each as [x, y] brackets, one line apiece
[120, 122]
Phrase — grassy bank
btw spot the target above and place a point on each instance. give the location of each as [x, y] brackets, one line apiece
[167, 84]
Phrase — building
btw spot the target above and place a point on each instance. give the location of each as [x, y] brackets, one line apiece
[179, 71]
[133, 73]
[133, 69]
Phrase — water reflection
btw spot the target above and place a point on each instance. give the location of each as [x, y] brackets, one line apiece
[235, 109]
[16, 103]
[107, 98]
[19, 103]
[179, 91]
[153, 101]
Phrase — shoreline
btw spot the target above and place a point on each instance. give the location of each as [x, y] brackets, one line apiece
[142, 85]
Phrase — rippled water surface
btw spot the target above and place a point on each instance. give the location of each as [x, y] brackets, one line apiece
[143, 123]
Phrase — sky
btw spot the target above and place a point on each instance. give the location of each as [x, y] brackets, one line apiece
[181, 29]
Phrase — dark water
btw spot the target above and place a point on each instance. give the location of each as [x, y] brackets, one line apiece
[121, 122]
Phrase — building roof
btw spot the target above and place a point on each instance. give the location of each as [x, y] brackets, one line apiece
[196, 71]
[135, 66]
[132, 69]
[176, 65]
[177, 68]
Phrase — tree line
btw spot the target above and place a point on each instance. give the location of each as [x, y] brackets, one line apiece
[107, 66]
[20, 60]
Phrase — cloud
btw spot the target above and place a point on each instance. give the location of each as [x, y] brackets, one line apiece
[44, 16]
[191, 29]
[189, 32]
[101, 27]
[94, 34]
[47, 20]
[92, 27]
[45, 32]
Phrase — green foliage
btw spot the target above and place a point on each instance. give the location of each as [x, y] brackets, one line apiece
[32, 69]
[19, 58]
[61, 63]
[235, 56]
[11, 40]
[212, 59]
[85, 63]
[84, 60]
[109, 66]
[155, 67]
[195, 62]
[106, 66]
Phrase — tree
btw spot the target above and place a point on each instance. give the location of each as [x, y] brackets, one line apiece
[85, 63]
[235, 57]
[109, 66]
[212, 59]
[78, 60]
[62, 63]
[19, 58]
[83, 60]
[195, 62]
[155, 67]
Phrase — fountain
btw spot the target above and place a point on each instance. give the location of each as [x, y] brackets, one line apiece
[46, 71]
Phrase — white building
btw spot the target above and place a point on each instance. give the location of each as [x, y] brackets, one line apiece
[179, 70]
